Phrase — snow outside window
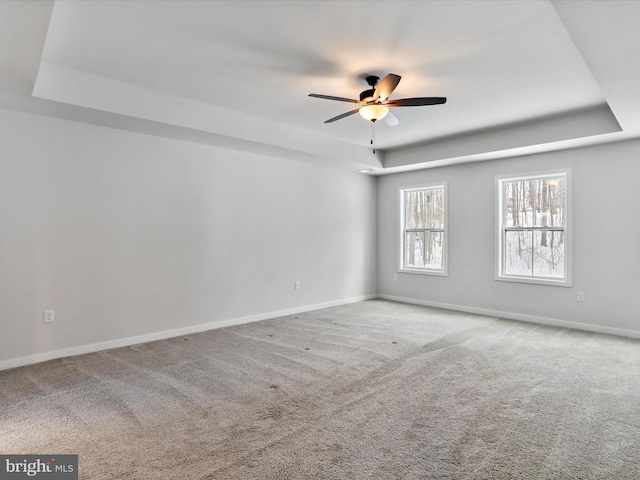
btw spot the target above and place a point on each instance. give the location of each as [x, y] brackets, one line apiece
[533, 233]
[423, 242]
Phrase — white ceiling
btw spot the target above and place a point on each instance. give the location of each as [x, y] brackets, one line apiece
[238, 73]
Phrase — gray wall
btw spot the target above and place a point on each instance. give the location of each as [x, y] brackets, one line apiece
[606, 241]
[126, 235]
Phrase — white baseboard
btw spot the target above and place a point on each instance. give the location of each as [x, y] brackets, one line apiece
[125, 342]
[151, 337]
[518, 316]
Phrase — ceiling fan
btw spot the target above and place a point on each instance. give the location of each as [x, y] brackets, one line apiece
[375, 101]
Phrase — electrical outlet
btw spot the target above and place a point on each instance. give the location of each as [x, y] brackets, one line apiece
[581, 296]
[395, 277]
[48, 316]
[297, 286]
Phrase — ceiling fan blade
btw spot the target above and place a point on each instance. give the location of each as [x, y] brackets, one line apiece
[416, 102]
[386, 87]
[390, 119]
[329, 97]
[339, 117]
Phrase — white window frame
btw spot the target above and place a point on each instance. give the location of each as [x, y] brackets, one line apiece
[500, 229]
[421, 270]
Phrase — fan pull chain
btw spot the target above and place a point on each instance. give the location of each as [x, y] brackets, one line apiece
[373, 137]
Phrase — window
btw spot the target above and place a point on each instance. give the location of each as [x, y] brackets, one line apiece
[533, 232]
[423, 242]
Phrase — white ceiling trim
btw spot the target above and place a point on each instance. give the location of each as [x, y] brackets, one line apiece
[82, 89]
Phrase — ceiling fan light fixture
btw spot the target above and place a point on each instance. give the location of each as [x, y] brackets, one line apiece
[374, 101]
[373, 112]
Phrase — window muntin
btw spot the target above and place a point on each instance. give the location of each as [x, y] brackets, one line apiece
[533, 231]
[423, 230]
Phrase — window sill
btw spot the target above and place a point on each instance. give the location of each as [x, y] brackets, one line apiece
[424, 271]
[536, 281]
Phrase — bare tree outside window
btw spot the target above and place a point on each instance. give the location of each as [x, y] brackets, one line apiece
[533, 226]
[423, 230]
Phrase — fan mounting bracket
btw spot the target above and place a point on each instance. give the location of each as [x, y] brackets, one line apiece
[372, 80]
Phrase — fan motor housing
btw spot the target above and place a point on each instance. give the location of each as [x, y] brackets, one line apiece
[367, 94]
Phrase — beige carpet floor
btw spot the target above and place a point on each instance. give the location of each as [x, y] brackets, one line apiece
[372, 390]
